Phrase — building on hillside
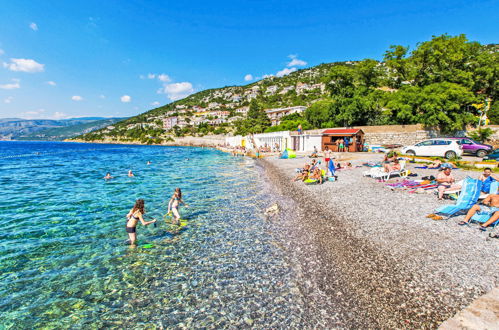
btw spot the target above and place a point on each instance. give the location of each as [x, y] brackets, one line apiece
[251, 96]
[242, 110]
[236, 98]
[169, 122]
[217, 121]
[227, 95]
[220, 113]
[180, 106]
[271, 89]
[212, 105]
[197, 108]
[235, 118]
[275, 115]
[286, 89]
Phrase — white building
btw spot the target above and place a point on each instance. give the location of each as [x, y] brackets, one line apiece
[242, 110]
[275, 115]
[169, 122]
[286, 89]
[271, 90]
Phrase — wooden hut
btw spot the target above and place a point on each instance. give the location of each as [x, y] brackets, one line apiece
[331, 138]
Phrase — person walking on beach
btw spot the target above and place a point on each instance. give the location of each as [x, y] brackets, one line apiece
[347, 143]
[327, 156]
[133, 217]
[174, 205]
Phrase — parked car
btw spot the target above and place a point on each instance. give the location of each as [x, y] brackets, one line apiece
[493, 155]
[447, 148]
[472, 147]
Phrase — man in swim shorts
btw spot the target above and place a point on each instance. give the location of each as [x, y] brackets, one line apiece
[490, 207]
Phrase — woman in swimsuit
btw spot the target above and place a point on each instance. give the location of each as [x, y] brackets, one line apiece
[133, 218]
[174, 205]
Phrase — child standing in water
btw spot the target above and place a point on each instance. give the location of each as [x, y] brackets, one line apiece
[174, 205]
[133, 217]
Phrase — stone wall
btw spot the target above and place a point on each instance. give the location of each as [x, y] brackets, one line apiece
[205, 141]
[397, 134]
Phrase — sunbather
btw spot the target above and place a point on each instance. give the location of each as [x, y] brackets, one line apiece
[490, 207]
[303, 175]
[390, 168]
[487, 178]
[436, 164]
[445, 182]
[317, 175]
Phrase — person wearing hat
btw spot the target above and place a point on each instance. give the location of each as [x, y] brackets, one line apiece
[445, 180]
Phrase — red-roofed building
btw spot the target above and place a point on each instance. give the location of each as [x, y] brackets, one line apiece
[351, 138]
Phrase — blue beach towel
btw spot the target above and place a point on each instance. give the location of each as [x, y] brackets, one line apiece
[331, 167]
[470, 191]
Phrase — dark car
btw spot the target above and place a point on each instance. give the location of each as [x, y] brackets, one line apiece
[493, 155]
[472, 147]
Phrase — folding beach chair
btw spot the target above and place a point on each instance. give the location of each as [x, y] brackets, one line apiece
[483, 218]
[494, 186]
[470, 192]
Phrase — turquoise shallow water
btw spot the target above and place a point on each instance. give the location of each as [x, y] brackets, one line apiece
[64, 261]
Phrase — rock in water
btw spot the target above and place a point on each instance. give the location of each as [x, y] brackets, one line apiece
[273, 210]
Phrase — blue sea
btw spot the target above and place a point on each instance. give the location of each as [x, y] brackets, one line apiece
[64, 257]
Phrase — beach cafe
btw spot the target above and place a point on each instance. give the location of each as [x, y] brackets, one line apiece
[332, 137]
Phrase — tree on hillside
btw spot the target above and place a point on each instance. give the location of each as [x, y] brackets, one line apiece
[445, 59]
[446, 105]
[396, 60]
[256, 120]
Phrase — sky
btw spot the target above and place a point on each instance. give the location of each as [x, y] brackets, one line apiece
[64, 59]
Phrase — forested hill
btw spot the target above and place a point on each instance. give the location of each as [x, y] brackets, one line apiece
[447, 82]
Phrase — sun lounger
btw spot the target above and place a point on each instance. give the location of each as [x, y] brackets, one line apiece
[379, 172]
[470, 191]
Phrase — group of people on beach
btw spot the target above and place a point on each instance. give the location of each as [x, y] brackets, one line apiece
[137, 213]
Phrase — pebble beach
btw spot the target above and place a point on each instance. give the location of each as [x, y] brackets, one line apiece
[371, 257]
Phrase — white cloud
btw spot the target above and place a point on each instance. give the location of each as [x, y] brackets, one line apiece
[164, 78]
[102, 96]
[51, 83]
[33, 26]
[177, 91]
[155, 103]
[295, 61]
[151, 76]
[32, 114]
[24, 65]
[76, 98]
[59, 115]
[285, 72]
[248, 77]
[8, 100]
[125, 98]
[2, 52]
[14, 85]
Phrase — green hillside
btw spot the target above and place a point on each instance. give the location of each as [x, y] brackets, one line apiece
[62, 133]
[445, 82]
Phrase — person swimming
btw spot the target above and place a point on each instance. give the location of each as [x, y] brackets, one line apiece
[108, 176]
[133, 217]
[130, 173]
[148, 162]
[174, 205]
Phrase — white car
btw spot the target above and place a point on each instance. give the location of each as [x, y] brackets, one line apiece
[435, 147]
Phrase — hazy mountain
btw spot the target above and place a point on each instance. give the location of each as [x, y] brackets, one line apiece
[49, 129]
